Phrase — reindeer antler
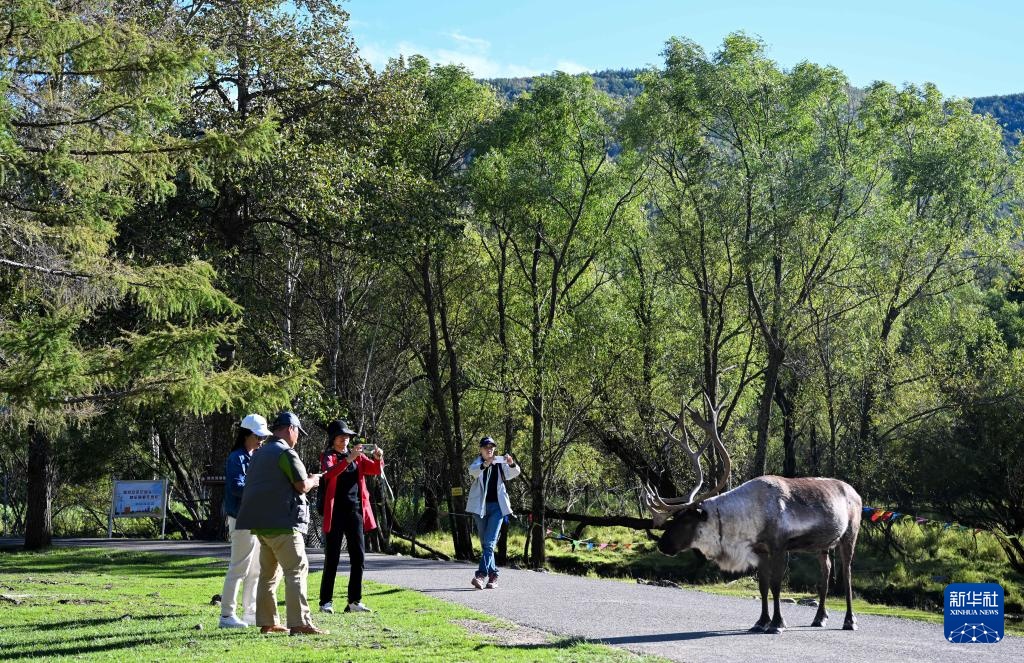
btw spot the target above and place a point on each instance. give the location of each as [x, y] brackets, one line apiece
[662, 508]
[710, 427]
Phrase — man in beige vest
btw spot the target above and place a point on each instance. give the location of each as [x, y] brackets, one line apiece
[275, 508]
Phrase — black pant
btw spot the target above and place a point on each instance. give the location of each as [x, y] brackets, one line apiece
[345, 522]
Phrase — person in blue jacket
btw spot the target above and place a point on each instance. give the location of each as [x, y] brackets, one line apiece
[244, 568]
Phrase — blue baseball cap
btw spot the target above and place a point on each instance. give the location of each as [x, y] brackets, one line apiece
[287, 419]
[488, 442]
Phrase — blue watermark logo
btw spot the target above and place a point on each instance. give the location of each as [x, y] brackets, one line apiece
[974, 613]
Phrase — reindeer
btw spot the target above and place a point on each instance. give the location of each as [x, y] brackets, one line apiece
[759, 522]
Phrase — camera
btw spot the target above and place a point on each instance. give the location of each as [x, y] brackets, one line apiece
[368, 449]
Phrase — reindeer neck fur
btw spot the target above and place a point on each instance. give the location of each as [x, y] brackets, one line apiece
[735, 521]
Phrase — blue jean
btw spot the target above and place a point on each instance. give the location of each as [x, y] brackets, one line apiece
[488, 527]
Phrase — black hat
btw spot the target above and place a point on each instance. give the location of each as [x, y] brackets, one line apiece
[338, 427]
[287, 419]
[488, 442]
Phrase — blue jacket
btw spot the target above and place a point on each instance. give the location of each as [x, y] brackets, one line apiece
[235, 468]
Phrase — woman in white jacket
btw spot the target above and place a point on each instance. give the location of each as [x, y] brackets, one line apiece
[489, 504]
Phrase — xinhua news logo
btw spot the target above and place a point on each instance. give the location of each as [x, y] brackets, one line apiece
[974, 613]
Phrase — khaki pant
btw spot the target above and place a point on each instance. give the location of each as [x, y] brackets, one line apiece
[287, 551]
[244, 570]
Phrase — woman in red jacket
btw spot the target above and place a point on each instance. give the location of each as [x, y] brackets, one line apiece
[347, 511]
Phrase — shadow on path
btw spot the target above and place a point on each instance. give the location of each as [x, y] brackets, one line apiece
[670, 637]
[564, 643]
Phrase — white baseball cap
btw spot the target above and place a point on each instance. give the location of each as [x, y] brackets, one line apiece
[257, 424]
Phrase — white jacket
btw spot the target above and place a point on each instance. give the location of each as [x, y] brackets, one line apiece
[476, 503]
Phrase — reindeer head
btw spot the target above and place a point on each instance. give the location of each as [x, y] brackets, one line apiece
[682, 530]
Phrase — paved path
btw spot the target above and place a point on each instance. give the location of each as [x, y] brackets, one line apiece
[679, 624]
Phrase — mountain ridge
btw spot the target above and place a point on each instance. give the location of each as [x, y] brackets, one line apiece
[1007, 109]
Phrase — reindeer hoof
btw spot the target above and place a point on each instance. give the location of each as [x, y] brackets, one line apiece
[775, 630]
[819, 622]
[759, 627]
[850, 626]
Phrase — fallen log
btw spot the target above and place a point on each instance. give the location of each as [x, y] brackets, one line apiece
[419, 544]
[601, 521]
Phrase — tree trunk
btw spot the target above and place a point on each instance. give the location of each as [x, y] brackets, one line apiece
[538, 555]
[815, 451]
[39, 492]
[181, 481]
[453, 475]
[864, 430]
[506, 388]
[220, 425]
[458, 472]
[462, 537]
[429, 520]
[764, 413]
[785, 396]
[865, 441]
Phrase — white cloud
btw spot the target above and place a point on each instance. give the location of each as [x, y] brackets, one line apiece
[473, 53]
[479, 64]
[376, 55]
[471, 42]
[570, 67]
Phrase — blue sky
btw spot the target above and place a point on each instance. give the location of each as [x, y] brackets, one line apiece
[967, 47]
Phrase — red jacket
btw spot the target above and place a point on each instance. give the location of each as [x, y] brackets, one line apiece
[332, 467]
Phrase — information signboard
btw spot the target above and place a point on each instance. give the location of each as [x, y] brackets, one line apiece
[138, 499]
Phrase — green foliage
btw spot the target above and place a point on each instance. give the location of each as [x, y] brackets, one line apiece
[102, 93]
[1007, 109]
[613, 82]
[217, 209]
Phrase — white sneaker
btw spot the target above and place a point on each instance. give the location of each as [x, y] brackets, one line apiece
[328, 607]
[231, 622]
[249, 619]
[357, 607]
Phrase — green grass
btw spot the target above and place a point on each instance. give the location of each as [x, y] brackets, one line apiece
[107, 605]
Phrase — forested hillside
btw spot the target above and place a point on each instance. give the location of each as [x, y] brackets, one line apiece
[208, 210]
[615, 82]
[1007, 109]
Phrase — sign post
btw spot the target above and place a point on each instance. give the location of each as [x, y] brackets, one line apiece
[139, 499]
[6, 506]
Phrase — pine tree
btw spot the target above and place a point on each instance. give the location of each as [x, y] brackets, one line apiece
[91, 92]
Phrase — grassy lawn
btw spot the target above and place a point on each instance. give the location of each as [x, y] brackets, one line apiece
[113, 606]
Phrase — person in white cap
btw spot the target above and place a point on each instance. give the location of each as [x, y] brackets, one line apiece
[244, 567]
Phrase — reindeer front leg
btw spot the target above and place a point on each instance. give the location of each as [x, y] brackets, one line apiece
[778, 569]
[763, 578]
